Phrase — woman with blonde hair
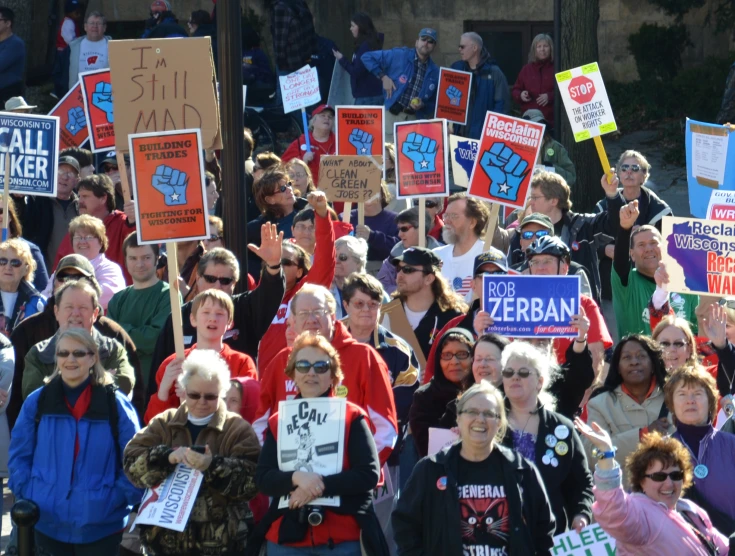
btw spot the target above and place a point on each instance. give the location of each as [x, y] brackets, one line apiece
[19, 299]
[535, 86]
[301, 176]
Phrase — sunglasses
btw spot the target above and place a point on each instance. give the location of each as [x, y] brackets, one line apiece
[288, 262]
[631, 167]
[370, 305]
[429, 41]
[538, 234]
[320, 367]
[460, 355]
[405, 229]
[343, 257]
[678, 344]
[428, 204]
[65, 277]
[197, 396]
[481, 274]
[214, 279]
[77, 353]
[15, 263]
[410, 270]
[510, 373]
[214, 237]
[660, 476]
[283, 188]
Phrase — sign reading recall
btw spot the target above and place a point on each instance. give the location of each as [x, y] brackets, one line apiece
[351, 179]
[531, 306]
[33, 142]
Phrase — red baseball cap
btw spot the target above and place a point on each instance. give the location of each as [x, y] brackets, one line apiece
[160, 6]
[321, 108]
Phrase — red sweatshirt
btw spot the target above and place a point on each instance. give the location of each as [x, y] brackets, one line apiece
[537, 78]
[297, 149]
[366, 380]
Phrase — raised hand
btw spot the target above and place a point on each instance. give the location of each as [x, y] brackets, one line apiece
[715, 325]
[661, 276]
[455, 95]
[599, 437]
[628, 215]
[362, 141]
[482, 322]
[318, 201]
[422, 151]
[611, 187]
[77, 120]
[102, 99]
[581, 323]
[270, 245]
[171, 183]
[505, 169]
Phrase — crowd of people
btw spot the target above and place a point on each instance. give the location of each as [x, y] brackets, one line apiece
[627, 424]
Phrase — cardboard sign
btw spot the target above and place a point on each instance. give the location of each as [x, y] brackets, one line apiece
[351, 179]
[699, 255]
[73, 130]
[526, 306]
[169, 187]
[360, 130]
[421, 159]
[300, 89]
[507, 154]
[164, 85]
[721, 206]
[585, 100]
[169, 504]
[440, 439]
[98, 102]
[33, 142]
[463, 153]
[311, 438]
[592, 541]
[710, 157]
[453, 95]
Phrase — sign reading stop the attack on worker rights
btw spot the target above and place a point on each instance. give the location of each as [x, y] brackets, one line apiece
[453, 95]
[73, 131]
[168, 185]
[359, 130]
[525, 306]
[508, 151]
[421, 159]
[98, 102]
[33, 144]
[585, 100]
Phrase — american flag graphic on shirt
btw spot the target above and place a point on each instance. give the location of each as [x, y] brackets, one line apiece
[462, 286]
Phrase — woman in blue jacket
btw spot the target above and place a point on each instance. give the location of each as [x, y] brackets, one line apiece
[66, 453]
[366, 88]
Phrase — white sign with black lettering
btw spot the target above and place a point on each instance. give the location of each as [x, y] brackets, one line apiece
[169, 504]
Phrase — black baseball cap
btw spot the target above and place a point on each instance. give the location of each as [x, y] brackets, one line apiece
[418, 256]
[491, 256]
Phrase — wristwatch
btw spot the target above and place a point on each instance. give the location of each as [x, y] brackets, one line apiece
[599, 454]
[275, 266]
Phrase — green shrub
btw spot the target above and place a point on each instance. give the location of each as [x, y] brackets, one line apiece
[657, 50]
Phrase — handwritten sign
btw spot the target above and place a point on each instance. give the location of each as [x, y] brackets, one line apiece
[440, 439]
[422, 167]
[352, 179]
[169, 187]
[463, 153]
[592, 541]
[300, 89]
[360, 130]
[33, 142]
[585, 100]
[98, 100]
[73, 131]
[453, 95]
[164, 85]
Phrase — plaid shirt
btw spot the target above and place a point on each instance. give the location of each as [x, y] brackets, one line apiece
[413, 88]
[294, 36]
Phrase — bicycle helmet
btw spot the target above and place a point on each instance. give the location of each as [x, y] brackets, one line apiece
[549, 245]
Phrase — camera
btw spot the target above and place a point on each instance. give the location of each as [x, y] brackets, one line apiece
[313, 515]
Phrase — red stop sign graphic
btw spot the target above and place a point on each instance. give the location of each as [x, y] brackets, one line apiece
[581, 89]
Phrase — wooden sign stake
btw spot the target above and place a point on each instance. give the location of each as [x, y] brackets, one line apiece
[173, 282]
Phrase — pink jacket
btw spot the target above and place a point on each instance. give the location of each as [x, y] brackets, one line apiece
[643, 527]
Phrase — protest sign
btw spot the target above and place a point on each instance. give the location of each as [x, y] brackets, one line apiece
[531, 306]
[169, 504]
[463, 155]
[73, 131]
[507, 153]
[340, 90]
[169, 187]
[453, 95]
[721, 206]
[311, 437]
[98, 100]
[164, 85]
[421, 159]
[440, 439]
[359, 130]
[710, 160]
[592, 541]
[300, 89]
[33, 144]
[585, 100]
[352, 179]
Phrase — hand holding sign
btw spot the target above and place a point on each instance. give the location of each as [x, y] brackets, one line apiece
[171, 183]
[505, 169]
[362, 141]
[421, 151]
[455, 95]
[102, 99]
[77, 120]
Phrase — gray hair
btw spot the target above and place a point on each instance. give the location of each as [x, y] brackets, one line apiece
[316, 291]
[357, 247]
[486, 389]
[639, 157]
[475, 38]
[96, 14]
[208, 365]
[538, 361]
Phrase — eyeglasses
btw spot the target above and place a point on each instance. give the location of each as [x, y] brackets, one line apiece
[86, 239]
[405, 229]
[214, 279]
[460, 355]
[67, 174]
[475, 413]
[315, 313]
[410, 270]
[632, 167]
[429, 41]
[660, 476]
[536, 197]
[288, 262]
[510, 373]
[452, 216]
[15, 263]
[196, 396]
[214, 237]
[678, 344]
[538, 234]
[536, 261]
[320, 367]
[77, 353]
[343, 257]
[370, 305]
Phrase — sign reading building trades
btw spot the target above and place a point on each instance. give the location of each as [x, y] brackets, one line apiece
[360, 130]
[508, 151]
[164, 85]
[422, 165]
[531, 306]
[300, 89]
[33, 144]
[169, 504]
[311, 437]
[73, 130]
[98, 101]
[169, 187]
[351, 179]
[592, 541]
[585, 100]
[453, 95]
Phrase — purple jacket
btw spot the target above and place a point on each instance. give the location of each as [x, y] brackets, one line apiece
[363, 83]
[383, 233]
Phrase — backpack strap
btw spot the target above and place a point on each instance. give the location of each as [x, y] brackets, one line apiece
[113, 416]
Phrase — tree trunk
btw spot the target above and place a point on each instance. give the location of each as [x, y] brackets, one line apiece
[578, 47]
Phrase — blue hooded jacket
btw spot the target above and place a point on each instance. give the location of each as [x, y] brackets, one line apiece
[363, 83]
